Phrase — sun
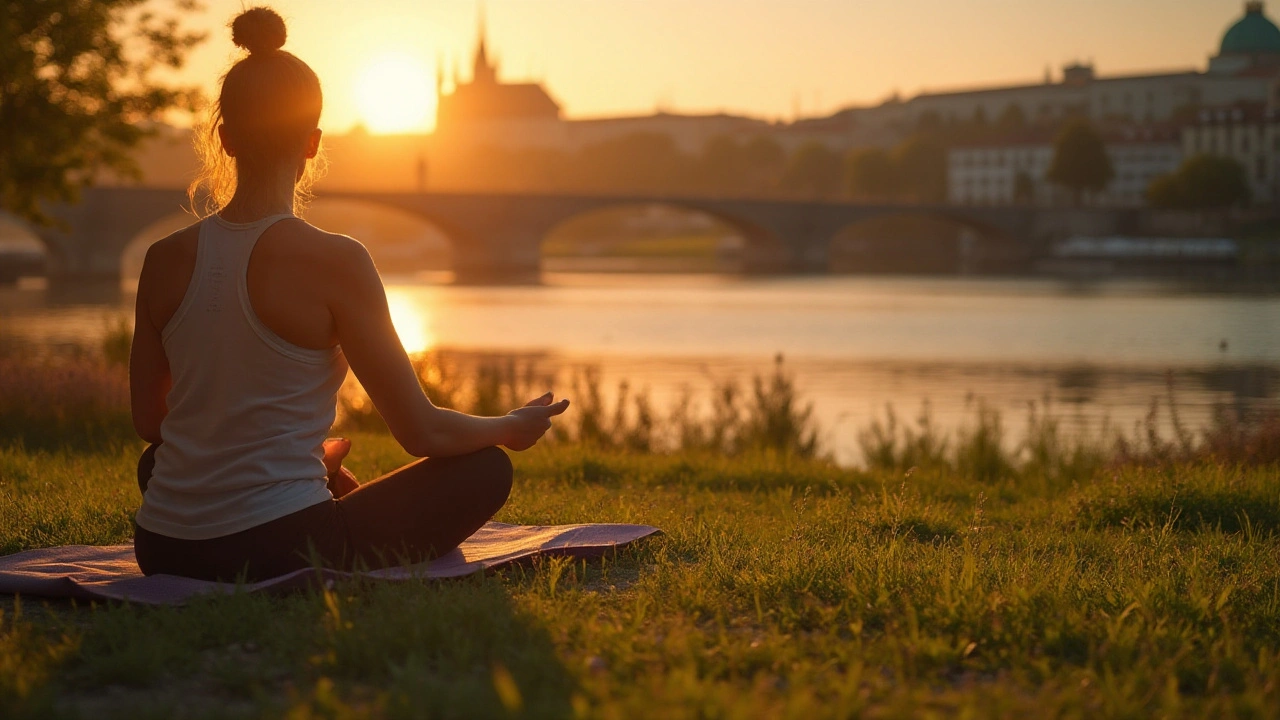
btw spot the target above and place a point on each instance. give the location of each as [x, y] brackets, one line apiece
[394, 94]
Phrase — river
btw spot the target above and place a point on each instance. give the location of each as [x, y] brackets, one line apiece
[1097, 353]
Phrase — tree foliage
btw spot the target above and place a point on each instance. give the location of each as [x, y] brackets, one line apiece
[640, 162]
[921, 167]
[870, 174]
[814, 171]
[78, 91]
[1202, 182]
[723, 164]
[1080, 162]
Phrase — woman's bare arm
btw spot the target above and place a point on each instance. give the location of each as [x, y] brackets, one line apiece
[149, 378]
[358, 304]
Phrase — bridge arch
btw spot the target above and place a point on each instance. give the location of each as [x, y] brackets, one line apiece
[655, 235]
[498, 237]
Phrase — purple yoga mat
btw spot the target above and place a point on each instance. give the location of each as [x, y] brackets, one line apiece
[111, 573]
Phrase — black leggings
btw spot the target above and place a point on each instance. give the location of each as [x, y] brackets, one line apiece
[418, 512]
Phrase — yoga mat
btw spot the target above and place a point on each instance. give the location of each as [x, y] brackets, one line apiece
[111, 573]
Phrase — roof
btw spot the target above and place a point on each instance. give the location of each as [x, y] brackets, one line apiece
[1009, 89]
[497, 101]
[1254, 34]
[1135, 135]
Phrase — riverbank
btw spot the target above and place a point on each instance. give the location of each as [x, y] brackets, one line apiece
[1096, 353]
[783, 587]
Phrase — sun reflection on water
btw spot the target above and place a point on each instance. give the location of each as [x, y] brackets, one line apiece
[412, 322]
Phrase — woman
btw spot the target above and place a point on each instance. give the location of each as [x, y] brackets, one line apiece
[246, 323]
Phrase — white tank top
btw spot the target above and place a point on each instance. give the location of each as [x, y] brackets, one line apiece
[248, 411]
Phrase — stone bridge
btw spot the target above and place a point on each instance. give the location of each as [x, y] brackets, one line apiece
[498, 237]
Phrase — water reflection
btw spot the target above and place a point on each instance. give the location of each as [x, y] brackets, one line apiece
[412, 320]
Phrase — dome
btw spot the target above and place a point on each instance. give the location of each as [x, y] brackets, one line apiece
[1253, 35]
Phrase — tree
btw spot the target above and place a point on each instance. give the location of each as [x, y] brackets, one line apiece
[1202, 182]
[921, 169]
[870, 174]
[637, 162]
[77, 92]
[766, 161]
[1080, 163]
[1012, 120]
[723, 164]
[814, 170]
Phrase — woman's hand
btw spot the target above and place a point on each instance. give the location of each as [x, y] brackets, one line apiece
[530, 422]
[341, 481]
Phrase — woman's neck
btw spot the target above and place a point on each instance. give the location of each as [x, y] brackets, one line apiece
[257, 197]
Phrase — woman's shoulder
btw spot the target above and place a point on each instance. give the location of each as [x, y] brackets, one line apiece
[171, 256]
[177, 245]
[166, 272]
[299, 247]
[303, 241]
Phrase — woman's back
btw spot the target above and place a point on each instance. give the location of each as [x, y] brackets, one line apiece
[245, 326]
[254, 380]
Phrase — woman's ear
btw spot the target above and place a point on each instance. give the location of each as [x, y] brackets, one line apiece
[313, 143]
[222, 138]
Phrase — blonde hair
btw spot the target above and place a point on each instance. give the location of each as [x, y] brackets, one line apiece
[269, 102]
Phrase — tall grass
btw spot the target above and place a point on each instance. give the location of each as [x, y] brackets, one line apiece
[80, 399]
[50, 401]
[770, 418]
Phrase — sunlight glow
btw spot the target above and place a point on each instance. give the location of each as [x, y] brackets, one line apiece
[394, 94]
[412, 323]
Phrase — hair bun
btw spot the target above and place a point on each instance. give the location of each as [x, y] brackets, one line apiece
[258, 30]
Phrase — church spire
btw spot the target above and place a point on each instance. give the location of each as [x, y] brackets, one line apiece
[483, 71]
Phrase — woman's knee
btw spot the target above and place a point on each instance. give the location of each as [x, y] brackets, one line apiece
[491, 471]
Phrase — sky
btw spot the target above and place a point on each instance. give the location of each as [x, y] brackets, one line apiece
[773, 59]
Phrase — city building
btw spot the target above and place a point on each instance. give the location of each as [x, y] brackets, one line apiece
[487, 99]
[1247, 61]
[1248, 133]
[487, 111]
[1015, 171]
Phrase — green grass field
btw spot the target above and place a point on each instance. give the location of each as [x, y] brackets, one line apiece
[782, 588]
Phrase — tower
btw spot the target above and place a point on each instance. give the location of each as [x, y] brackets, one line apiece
[483, 72]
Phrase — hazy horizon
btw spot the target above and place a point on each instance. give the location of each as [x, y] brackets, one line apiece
[750, 57]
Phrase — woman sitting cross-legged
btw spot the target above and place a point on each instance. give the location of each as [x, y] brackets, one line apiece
[246, 323]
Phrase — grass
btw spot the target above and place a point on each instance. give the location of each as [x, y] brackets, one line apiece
[783, 587]
[954, 574]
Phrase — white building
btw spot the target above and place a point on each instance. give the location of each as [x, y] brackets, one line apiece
[1247, 133]
[1016, 171]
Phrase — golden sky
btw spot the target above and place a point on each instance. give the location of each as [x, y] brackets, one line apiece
[766, 58]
